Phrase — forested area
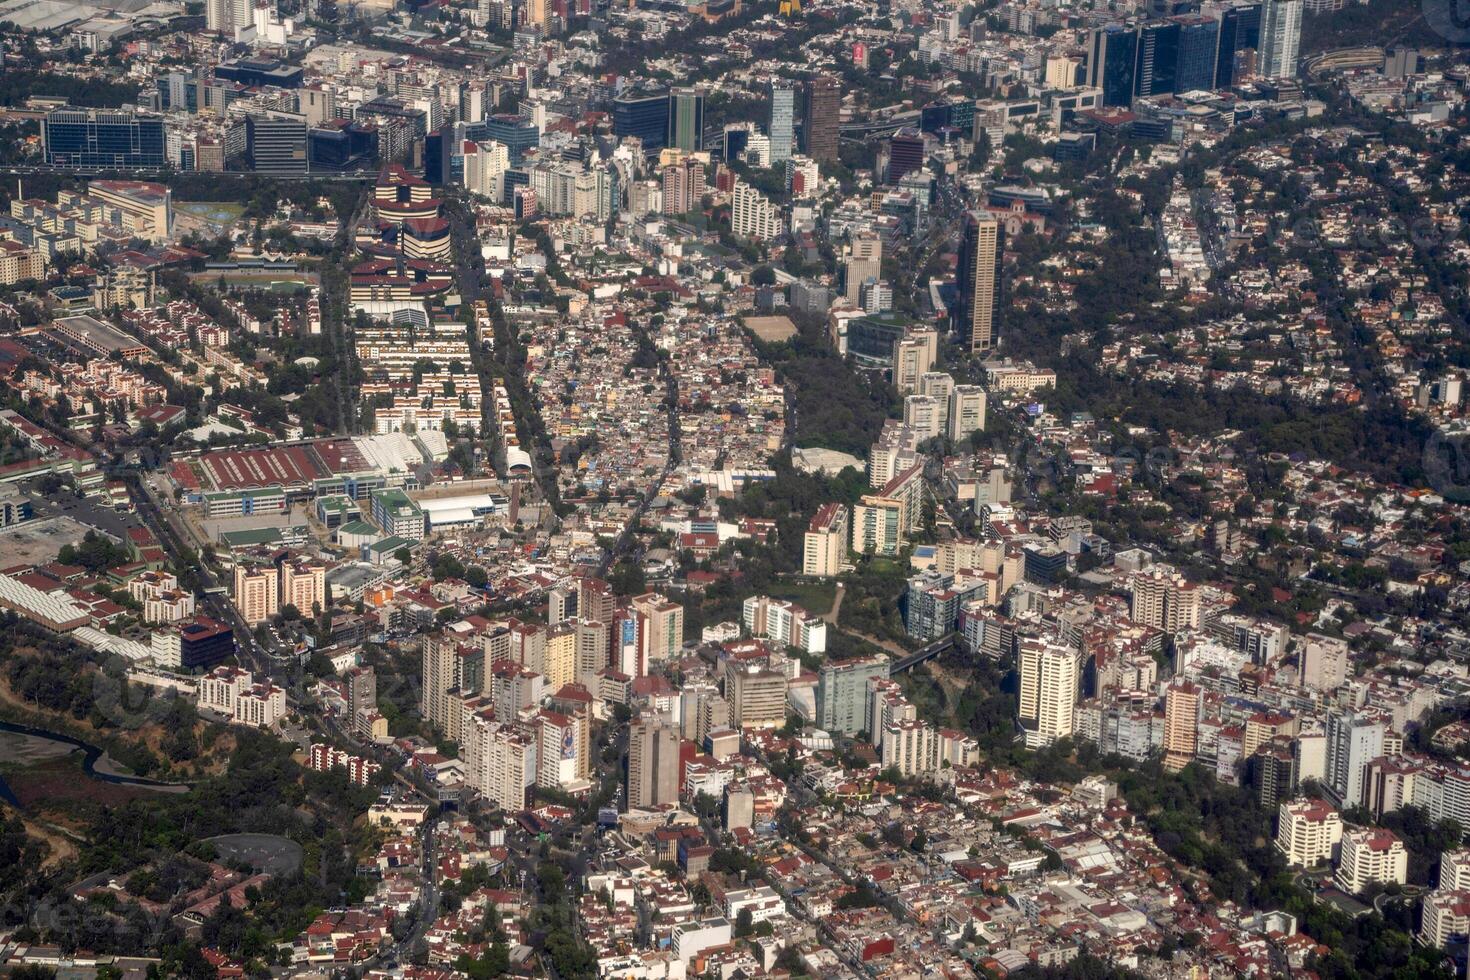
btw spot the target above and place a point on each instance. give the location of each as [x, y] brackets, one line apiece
[833, 405]
[18, 85]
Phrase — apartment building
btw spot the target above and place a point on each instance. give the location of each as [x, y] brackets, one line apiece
[825, 543]
[1308, 831]
[257, 592]
[1370, 856]
[1165, 601]
[1048, 692]
[785, 623]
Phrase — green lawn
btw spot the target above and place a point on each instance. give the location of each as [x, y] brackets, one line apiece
[814, 597]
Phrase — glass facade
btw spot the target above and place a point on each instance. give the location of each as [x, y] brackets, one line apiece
[783, 122]
[646, 118]
[1197, 41]
[1240, 30]
[1158, 59]
[1113, 60]
[518, 133]
[103, 138]
[686, 120]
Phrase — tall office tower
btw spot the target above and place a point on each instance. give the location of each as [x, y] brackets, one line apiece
[275, 143]
[819, 127]
[1353, 741]
[1048, 691]
[538, 13]
[1281, 36]
[783, 121]
[910, 362]
[643, 116]
[436, 673]
[653, 764]
[686, 119]
[1272, 772]
[594, 641]
[864, 260]
[905, 153]
[1166, 602]
[561, 603]
[980, 280]
[103, 138]
[1240, 31]
[842, 693]
[1198, 40]
[939, 385]
[1158, 59]
[560, 656]
[1111, 63]
[1181, 724]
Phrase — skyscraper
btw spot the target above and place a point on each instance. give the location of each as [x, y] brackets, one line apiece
[1111, 63]
[980, 280]
[1181, 724]
[1240, 30]
[1281, 35]
[1198, 38]
[537, 13]
[1048, 692]
[783, 121]
[644, 116]
[1353, 741]
[653, 764]
[819, 127]
[1158, 59]
[905, 153]
[686, 119]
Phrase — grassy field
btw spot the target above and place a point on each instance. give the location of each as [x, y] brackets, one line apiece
[814, 597]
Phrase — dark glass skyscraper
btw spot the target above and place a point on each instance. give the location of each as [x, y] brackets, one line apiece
[1240, 29]
[102, 138]
[1158, 58]
[1198, 38]
[1111, 63]
[646, 117]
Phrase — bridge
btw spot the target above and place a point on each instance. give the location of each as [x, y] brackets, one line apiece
[928, 652]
